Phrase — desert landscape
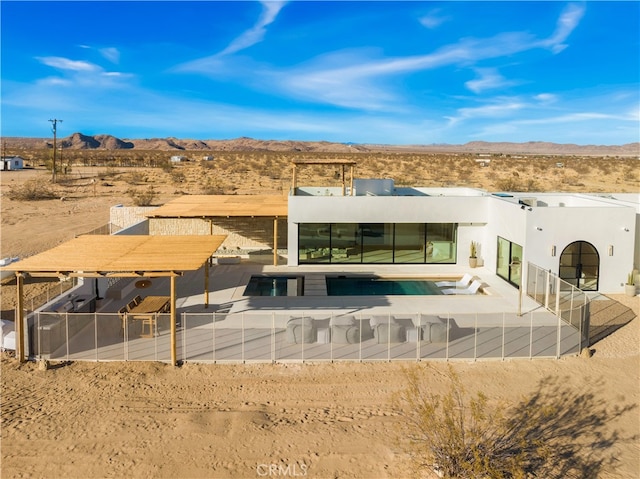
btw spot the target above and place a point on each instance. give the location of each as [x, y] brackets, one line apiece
[318, 420]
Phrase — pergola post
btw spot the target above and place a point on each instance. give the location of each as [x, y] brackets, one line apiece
[275, 241]
[344, 185]
[19, 320]
[294, 180]
[206, 284]
[351, 182]
[174, 354]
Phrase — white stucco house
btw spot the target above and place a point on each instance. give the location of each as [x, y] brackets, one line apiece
[590, 241]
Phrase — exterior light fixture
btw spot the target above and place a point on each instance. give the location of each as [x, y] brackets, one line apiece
[610, 250]
[553, 250]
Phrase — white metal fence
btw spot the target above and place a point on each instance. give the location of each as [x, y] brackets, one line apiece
[275, 337]
[561, 298]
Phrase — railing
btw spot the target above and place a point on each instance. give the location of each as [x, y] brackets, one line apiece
[563, 299]
[51, 292]
[278, 337]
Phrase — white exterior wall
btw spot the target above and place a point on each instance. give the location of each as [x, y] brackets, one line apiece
[599, 226]
[470, 213]
[484, 218]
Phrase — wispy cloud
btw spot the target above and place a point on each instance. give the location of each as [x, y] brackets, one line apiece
[256, 33]
[433, 19]
[546, 98]
[489, 79]
[66, 64]
[112, 54]
[567, 22]
[500, 108]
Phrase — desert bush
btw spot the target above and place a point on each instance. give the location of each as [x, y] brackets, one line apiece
[178, 176]
[108, 172]
[143, 197]
[556, 432]
[35, 189]
[136, 177]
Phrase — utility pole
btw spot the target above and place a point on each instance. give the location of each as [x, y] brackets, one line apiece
[54, 128]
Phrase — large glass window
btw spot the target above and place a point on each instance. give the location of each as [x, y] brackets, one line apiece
[314, 242]
[345, 243]
[369, 243]
[441, 242]
[410, 243]
[509, 265]
[377, 242]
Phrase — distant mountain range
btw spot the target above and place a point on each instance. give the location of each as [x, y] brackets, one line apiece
[78, 141]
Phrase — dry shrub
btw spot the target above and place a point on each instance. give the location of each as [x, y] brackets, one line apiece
[556, 432]
[143, 197]
[35, 189]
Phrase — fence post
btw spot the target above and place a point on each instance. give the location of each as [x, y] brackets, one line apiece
[447, 347]
[418, 332]
[360, 342]
[242, 336]
[213, 337]
[530, 334]
[95, 324]
[389, 337]
[558, 295]
[66, 317]
[547, 290]
[475, 338]
[184, 336]
[559, 335]
[503, 336]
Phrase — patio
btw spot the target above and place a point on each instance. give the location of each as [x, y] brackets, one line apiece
[238, 328]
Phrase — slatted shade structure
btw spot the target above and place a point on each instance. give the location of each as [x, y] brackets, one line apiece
[119, 256]
[228, 206]
[211, 206]
[332, 162]
[95, 255]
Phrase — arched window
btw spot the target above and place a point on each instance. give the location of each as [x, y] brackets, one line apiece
[580, 265]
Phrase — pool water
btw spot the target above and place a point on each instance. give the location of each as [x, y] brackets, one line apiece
[274, 286]
[372, 286]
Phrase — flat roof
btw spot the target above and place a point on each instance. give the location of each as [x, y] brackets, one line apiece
[97, 255]
[211, 206]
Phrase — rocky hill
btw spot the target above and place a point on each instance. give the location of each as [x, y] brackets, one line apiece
[79, 141]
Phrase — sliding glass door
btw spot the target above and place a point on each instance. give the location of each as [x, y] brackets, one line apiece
[509, 264]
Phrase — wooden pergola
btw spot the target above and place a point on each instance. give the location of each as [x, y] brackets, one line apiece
[209, 207]
[93, 256]
[342, 163]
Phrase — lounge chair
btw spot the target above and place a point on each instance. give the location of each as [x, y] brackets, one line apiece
[462, 283]
[301, 330]
[472, 289]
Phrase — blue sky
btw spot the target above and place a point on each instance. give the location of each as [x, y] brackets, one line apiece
[365, 72]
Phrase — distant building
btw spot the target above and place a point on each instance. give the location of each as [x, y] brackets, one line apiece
[178, 159]
[207, 158]
[12, 163]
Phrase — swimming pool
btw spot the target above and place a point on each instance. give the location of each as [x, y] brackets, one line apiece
[374, 286]
[275, 286]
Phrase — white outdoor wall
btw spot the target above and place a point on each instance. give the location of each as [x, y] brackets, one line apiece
[387, 209]
[600, 226]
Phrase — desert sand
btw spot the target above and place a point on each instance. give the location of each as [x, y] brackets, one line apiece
[317, 420]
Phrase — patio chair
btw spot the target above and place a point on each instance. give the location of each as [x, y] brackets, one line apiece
[462, 283]
[388, 330]
[472, 289]
[301, 330]
[345, 330]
